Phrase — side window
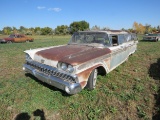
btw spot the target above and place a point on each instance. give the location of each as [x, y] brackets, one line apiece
[128, 37]
[114, 40]
[121, 39]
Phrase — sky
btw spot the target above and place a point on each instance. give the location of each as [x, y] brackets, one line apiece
[114, 14]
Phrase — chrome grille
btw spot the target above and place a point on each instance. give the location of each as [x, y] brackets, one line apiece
[51, 71]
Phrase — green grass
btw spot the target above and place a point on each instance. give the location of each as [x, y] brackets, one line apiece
[131, 91]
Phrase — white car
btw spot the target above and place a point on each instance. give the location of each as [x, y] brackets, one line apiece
[152, 37]
[76, 65]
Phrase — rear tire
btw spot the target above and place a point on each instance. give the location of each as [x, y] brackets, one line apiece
[91, 84]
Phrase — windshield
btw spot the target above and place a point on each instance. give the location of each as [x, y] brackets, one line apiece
[90, 38]
[12, 36]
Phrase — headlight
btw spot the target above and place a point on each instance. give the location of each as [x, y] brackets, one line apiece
[28, 57]
[70, 69]
[66, 67]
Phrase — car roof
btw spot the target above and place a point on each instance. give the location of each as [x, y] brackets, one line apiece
[107, 31]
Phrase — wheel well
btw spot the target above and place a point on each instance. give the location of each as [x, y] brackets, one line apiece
[101, 71]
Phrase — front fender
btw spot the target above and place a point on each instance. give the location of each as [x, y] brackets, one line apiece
[84, 75]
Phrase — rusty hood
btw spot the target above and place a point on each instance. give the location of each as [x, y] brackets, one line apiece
[72, 54]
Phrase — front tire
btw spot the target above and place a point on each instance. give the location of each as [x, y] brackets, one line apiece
[91, 84]
[9, 42]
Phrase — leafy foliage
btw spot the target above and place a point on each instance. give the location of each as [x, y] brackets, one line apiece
[78, 26]
[141, 29]
[61, 30]
[46, 31]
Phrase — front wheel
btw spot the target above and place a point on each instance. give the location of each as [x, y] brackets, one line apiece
[9, 42]
[92, 80]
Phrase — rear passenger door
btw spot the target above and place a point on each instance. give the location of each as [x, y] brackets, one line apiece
[119, 54]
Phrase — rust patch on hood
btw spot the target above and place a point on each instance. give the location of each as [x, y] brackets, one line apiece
[73, 54]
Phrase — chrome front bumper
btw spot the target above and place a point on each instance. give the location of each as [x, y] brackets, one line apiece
[70, 88]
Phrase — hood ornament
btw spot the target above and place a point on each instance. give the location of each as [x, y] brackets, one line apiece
[70, 57]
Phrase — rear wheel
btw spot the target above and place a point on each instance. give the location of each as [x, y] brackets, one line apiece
[92, 80]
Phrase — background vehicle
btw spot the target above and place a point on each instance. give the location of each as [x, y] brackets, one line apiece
[16, 38]
[152, 37]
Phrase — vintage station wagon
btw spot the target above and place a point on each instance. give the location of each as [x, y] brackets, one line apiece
[76, 65]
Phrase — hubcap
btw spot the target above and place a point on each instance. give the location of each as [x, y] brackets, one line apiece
[95, 77]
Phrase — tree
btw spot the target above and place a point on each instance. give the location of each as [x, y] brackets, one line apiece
[22, 30]
[7, 30]
[15, 31]
[37, 29]
[95, 28]
[135, 26]
[1, 32]
[106, 28]
[158, 28]
[139, 28]
[78, 26]
[154, 30]
[123, 29]
[61, 30]
[29, 31]
[131, 30]
[148, 29]
[46, 31]
[38, 32]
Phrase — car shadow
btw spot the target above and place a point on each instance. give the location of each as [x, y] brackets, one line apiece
[63, 93]
[39, 113]
[25, 116]
[154, 72]
[145, 41]
[157, 107]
